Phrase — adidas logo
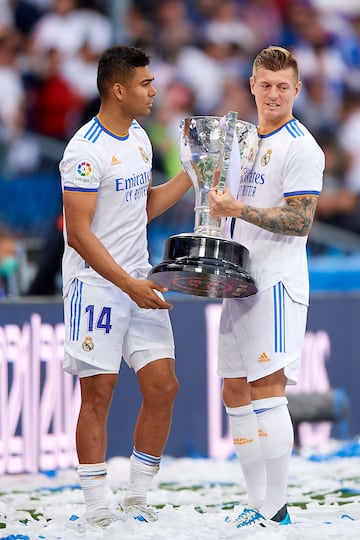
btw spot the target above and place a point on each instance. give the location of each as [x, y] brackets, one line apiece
[262, 433]
[115, 161]
[242, 440]
[263, 358]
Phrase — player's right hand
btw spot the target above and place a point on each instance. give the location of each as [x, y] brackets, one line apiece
[144, 293]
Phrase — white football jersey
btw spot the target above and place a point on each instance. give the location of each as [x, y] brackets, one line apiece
[286, 163]
[119, 170]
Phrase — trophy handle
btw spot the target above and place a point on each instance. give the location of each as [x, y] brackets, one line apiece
[230, 126]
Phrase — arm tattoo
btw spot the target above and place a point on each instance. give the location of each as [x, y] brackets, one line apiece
[295, 218]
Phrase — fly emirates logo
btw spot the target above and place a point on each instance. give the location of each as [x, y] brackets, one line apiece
[250, 182]
[135, 187]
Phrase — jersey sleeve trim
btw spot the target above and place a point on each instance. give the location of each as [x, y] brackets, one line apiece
[301, 194]
[81, 190]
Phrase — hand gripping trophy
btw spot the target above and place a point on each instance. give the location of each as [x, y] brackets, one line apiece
[204, 263]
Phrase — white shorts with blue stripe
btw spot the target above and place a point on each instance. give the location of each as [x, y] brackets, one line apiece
[103, 325]
[261, 334]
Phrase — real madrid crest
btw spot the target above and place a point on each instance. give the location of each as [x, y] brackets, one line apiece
[88, 344]
[143, 154]
[266, 157]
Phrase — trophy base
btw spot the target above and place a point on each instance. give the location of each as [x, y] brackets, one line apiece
[204, 266]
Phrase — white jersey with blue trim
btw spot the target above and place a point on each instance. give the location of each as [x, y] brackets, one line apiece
[288, 163]
[118, 169]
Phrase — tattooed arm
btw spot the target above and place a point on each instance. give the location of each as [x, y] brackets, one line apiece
[295, 218]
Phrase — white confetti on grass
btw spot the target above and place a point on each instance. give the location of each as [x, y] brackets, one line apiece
[193, 498]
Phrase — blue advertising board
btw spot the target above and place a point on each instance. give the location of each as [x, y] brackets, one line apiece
[39, 403]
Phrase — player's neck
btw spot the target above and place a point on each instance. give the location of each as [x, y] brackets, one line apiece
[266, 126]
[117, 126]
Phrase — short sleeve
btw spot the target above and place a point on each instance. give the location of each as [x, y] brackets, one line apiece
[303, 174]
[80, 168]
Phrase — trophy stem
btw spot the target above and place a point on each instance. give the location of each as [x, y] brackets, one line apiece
[205, 224]
[231, 119]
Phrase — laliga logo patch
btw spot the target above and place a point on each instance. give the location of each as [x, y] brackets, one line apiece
[83, 173]
[143, 154]
[84, 169]
[88, 344]
[266, 157]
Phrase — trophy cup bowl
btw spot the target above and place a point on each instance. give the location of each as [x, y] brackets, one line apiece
[203, 263]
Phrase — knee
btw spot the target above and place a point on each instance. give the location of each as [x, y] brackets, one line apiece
[235, 392]
[163, 391]
[169, 389]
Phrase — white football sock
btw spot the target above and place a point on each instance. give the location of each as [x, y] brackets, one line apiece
[244, 431]
[276, 439]
[143, 468]
[92, 481]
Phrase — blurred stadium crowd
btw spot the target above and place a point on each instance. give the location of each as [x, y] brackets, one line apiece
[201, 56]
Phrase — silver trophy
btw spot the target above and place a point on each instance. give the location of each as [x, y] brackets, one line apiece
[204, 263]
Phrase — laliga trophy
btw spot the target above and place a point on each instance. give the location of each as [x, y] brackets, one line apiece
[204, 263]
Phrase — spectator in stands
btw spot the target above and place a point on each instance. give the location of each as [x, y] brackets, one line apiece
[12, 106]
[313, 108]
[264, 19]
[47, 280]
[140, 29]
[12, 90]
[26, 15]
[60, 73]
[320, 61]
[349, 137]
[173, 28]
[236, 97]
[164, 126]
[349, 47]
[78, 32]
[337, 205]
[54, 107]
[6, 15]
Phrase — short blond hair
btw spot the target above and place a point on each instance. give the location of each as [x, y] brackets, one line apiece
[276, 58]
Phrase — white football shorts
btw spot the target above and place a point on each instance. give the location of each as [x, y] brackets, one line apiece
[103, 325]
[261, 334]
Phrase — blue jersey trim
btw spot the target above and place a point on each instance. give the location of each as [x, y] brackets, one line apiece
[292, 126]
[81, 190]
[95, 130]
[301, 193]
[294, 129]
[135, 125]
